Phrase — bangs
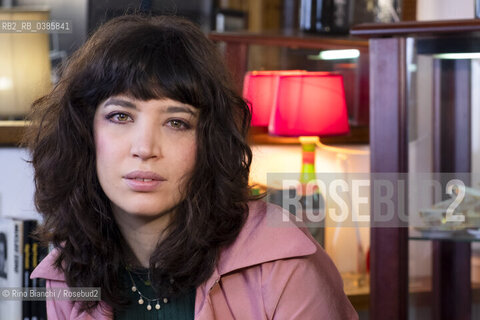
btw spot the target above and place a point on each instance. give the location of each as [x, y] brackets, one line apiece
[148, 63]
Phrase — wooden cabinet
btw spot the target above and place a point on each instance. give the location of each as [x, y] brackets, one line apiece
[390, 131]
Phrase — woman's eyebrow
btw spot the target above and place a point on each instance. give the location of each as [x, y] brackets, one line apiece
[119, 102]
[175, 109]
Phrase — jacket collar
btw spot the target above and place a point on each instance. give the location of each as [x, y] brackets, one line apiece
[269, 234]
[46, 270]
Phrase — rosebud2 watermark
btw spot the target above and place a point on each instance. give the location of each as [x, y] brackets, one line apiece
[375, 199]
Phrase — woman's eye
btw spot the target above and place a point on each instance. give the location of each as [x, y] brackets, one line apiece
[178, 124]
[119, 117]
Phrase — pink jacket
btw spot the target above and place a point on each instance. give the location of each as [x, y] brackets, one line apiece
[269, 272]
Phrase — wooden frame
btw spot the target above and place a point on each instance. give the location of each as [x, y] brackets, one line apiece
[452, 294]
[389, 153]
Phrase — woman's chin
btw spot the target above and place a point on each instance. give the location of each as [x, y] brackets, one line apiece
[144, 211]
[149, 214]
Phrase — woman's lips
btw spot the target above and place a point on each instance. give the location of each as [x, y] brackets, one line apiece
[143, 181]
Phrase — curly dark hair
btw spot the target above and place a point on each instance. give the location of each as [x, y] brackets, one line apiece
[145, 58]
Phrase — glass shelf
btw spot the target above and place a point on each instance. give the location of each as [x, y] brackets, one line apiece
[462, 235]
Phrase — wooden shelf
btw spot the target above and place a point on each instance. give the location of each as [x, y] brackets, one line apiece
[357, 135]
[417, 28]
[292, 40]
[11, 132]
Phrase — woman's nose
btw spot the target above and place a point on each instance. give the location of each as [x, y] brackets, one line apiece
[146, 143]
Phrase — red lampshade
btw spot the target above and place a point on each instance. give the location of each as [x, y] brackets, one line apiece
[259, 89]
[309, 104]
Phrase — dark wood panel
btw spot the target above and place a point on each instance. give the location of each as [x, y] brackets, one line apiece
[409, 10]
[389, 153]
[452, 296]
[236, 59]
[362, 100]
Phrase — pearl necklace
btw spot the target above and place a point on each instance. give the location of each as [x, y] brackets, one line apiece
[143, 298]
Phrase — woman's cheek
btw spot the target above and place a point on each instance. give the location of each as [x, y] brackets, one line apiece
[105, 150]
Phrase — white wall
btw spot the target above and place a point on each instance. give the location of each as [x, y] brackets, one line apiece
[16, 184]
[445, 9]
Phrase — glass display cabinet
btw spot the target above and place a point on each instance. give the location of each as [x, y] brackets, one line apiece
[424, 121]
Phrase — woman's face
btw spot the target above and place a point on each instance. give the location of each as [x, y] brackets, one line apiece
[145, 152]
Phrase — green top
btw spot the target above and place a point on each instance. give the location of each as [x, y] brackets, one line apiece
[179, 308]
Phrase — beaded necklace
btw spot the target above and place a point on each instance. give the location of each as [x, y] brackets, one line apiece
[142, 297]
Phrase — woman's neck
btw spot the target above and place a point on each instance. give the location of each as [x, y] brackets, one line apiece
[141, 233]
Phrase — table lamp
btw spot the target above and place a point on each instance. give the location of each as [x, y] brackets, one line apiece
[300, 104]
[259, 89]
[24, 64]
[309, 105]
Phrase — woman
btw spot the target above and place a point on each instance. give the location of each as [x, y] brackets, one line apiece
[141, 172]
